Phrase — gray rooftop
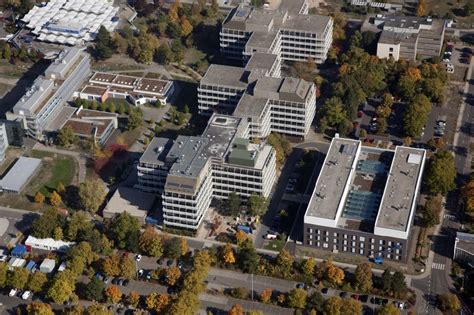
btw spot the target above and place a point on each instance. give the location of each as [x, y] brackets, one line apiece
[292, 6]
[34, 96]
[261, 40]
[19, 175]
[400, 189]
[156, 151]
[285, 89]
[309, 23]
[234, 77]
[393, 38]
[261, 61]
[409, 22]
[250, 106]
[465, 241]
[63, 61]
[332, 180]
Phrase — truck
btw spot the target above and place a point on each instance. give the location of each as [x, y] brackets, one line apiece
[244, 228]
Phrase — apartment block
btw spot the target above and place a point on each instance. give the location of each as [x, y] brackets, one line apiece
[187, 173]
[42, 103]
[406, 37]
[364, 200]
[258, 94]
[283, 28]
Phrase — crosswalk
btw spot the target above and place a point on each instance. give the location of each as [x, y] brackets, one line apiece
[449, 216]
[438, 266]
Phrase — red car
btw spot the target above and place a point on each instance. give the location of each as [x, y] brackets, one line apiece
[355, 297]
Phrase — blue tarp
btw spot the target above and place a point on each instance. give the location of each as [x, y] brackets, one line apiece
[19, 250]
[30, 265]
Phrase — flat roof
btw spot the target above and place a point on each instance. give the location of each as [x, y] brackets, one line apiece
[465, 241]
[403, 180]
[152, 85]
[307, 23]
[157, 151]
[103, 77]
[261, 61]
[94, 90]
[87, 127]
[19, 175]
[34, 96]
[234, 77]
[250, 106]
[333, 179]
[65, 59]
[130, 200]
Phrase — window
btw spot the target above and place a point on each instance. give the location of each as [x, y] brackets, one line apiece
[361, 245]
[354, 244]
[381, 242]
[310, 236]
[310, 242]
[345, 242]
[335, 234]
[325, 245]
[372, 240]
[353, 250]
[362, 238]
[354, 237]
[390, 49]
[318, 232]
[345, 235]
[361, 251]
[345, 249]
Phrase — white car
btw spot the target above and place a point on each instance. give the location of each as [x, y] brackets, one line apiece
[138, 257]
[26, 295]
[12, 292]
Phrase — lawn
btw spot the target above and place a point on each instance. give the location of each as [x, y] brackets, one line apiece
[55, 168]
[276, 245]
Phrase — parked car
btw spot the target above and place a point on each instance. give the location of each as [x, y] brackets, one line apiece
[12, 292]
[355, 297]
[138, 257]
[107, 279]
[140, 273]
[125, 282]
[324, 290]
[300, 286]
[270, 236]
[26, 295]
[343, 294]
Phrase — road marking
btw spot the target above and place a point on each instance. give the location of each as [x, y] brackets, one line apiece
[438, 266]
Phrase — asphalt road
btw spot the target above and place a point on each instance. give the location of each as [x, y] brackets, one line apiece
[12, 221]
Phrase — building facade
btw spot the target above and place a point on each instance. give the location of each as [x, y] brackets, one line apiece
[187, 173]
[356, 206]
[464, 248]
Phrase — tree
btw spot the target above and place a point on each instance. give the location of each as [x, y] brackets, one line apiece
[103, 44]
[97, 309]
[332, 306]
[416, 115]
[121, 109]
[258, 205]
[232, 205]
[183, 244]
[58, 233]
[145, 57]
[406, 87]
[297, 298]
[421, 8]
[266, 295]
[173, 248]
[62, 287]
[388, 309]
[17, 278]
[7, 53]
[334, 111]
[334, 275]
[91, 195]
[38, 308]
[133, 298]
[468, 10]
[113, 294]
[284, 263]
[78, 221]
[281, 145]
[37, 282]
[111, 265]
[157, 302]
[441, 173]
[186, 27]
[186, 109]
[241, 237]
[432, 211]
[135, 119]
[248, 258]
[399, 286]
[94, 290]
[228, 255]
[236, 309]
[55, 199]
[239, 293]
[351, 307]
[308, 267]
[3, 274]
[43, 226]
[164, 55]
[150, 242]
[172, 275]
[363, 277]
[386, 281]
[66, 136]
[39, 197]
[82, 250]
[448, 302]
[315, 301]
[173, 11]
[112, 108]
[60, 188]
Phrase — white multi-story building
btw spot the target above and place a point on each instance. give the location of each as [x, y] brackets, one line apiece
[287, 31]
[3, 141]
[43, 101]
[257, 93]
[190, 171]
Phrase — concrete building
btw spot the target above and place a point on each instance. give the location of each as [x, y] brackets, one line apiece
[3, 141]
[43, 102]
[406, 37]
[48, 265]
[364, 200]
[48, 244]
[257, 93]
[464, 248]
[136, 90]
[189, 172]
[18, 176]
[132, 201]
[283, 28]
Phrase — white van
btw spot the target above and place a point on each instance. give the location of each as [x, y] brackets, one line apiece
[12, 292]
[270, 236]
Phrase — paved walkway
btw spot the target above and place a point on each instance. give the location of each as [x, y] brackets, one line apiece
[80, 158]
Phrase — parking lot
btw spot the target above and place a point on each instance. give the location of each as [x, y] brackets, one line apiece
[12, 222]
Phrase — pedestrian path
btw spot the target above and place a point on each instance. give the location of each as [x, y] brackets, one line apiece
[438, 266]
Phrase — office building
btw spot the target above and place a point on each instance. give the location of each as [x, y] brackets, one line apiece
[258, 94]
[364, 200]
[42, 103]
[283, 28]
[71, 22]
[18, 175]
[190, 171]
[406, 37]
[464, 248]
[3, 142]
[136, 90]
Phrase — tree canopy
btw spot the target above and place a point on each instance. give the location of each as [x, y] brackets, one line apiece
[441, 175]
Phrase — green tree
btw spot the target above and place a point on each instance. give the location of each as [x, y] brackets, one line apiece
[468, 9]
[416, 115]
[386, 283]
[125, 230]
[258, 205]
[94, 290]
[104, 47]
[150, 242]
[79, 220]
[62, 287]
[315, 301]
[247, 257]
[441, 175]
[38, 308]
[164, 55]
[399, 286]
[173, 248]
[448, 303]
[406, 87]
[334, 111]
[389, 309]
[3, 274]
[135, 119]
[112, 108]
[432, 211]
[233, 205]
[17, 278]
[37, 282]
[121, 109]
[363, 277]
[351, 307]
[44, 226]
[91, 195]
[332, 306]
[67, 137]
[297, 298]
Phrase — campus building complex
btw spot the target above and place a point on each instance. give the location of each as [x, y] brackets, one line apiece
[283, 28]
[42, 103]
[257, 94]
[364, 200]
[192, 170]
[406, 37]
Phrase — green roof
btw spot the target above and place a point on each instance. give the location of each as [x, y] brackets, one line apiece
[242, 157]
